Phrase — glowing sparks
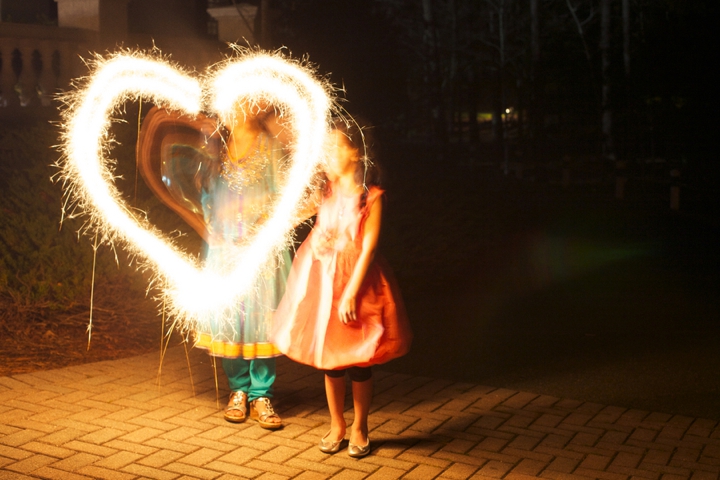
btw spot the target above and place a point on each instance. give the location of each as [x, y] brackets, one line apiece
[304, 104]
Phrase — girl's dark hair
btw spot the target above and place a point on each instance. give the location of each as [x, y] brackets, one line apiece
[360, 135]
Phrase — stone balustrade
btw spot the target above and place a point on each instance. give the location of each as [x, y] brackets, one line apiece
[38, 61]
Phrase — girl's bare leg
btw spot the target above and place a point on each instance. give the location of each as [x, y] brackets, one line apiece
[362, 398]
[335, 392]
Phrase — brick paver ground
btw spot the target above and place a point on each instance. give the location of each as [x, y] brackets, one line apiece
[127, 419]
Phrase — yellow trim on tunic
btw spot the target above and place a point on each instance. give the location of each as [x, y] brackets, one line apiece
[248, 351]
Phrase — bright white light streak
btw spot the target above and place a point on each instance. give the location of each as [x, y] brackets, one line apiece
[192, 291]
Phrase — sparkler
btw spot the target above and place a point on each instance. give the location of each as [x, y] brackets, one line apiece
[192, 291]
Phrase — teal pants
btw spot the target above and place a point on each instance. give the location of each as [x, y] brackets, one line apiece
[254, 377]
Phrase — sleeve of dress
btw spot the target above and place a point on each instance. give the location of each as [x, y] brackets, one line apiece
[374, 194]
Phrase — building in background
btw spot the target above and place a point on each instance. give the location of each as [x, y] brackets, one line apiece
[43, 42]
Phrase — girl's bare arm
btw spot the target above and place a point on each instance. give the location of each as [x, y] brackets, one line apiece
[347, 310]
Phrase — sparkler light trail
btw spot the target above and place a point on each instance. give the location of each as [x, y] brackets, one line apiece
[235, 87]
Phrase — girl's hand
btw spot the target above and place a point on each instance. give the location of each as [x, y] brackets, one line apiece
[346, 309]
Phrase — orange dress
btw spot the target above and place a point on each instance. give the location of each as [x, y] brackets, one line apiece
[307, 327]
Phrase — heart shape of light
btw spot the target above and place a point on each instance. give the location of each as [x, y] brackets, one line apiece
[190, 290]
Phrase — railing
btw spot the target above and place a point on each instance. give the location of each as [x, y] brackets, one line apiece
[36, 61]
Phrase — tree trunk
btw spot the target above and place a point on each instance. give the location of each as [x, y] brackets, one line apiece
[501, 85]
[449, 83]
[608, 149]
[535, 109]
[433, 88]
[626, 35]
[265, 24]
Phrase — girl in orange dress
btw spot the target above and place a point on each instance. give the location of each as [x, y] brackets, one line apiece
[342, 311]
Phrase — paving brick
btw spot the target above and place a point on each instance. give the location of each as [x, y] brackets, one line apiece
[664, 469]
[577, 419]
[459, 446]
[491, 399]
[490, 421]
[108, 423]
[131, 447]
[599, 474]
[595, 462]
[671, 432]
[459, 423]
[10, 454]
[459, 471]
[467, 459]
[201, 442]
[351, 463]
[279, 454]
[643, 435]
[628, 460]
[52, 473]
[426, 425]
[587, 407]
[76, 462]
[412, 459]
[632, 417]
[657, 418]
[266, 444]
[349, 475]
[548, 420]
[590, 450]
[704, 476]
[19, 438]
[102, 435]
[221, 433]
[617, 438]
[491, 445]
[8, 429]
[584, 439]
[702, 427]
[30, 464]
[317, 467]
[100, 450]
[495, 469]
[423, 472]
[633, 473]
[49, 450]
[96, 472]
[191, 471]
[425, 448]
[563, 465]
[522, 421]
[657, 457]
[712, 451]
[149, 472]
[681, 421]
[161, 458]
[141, 435]
[520, 400]
[555, 441]
[532, 455]
[544, 401]
[386, 473]
[685, 455]
[5, 461]
[118, 460]
[240, 456]
[529, 467]
[311, 476]
[538, 432]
